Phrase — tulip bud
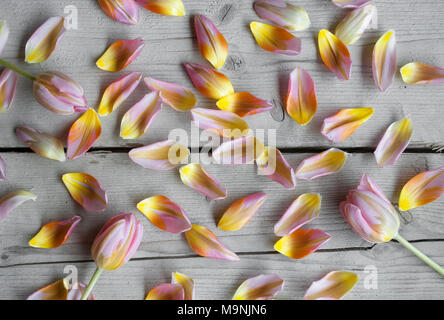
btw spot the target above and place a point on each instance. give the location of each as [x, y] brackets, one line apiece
[370, 213]
[117, 241]
[59, 93]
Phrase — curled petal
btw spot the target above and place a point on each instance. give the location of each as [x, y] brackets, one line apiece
[12, 200]
[333, 286]
[394, 142]
[422, 189]
[195, 177]
[243, 104]
[242, 150]
[334, 54]
[8, 85]
[322, 164]
[4, 34]
[301, 243]
[301, 97]
[261, 287]
[117, 92]
[212, 44]
[343, 124]
[174, 95]
[275, 39]
[283, 14]
[351, 28]
[205, 243]
[41, 143]
[120, 54]
[44, 40]
[60, 290]
[420, 73]
[165, 7]
[83, 133]
[166, 291]
[384, 61]
[86, 191]
[241, 211]
[223, 123]
[209, 82]
[351, 3]
[165, 214]
[125, 11]
[163, 155]
[303, 210]
[272, 164]
[186, 282]
[136, 120]
[2, 169]
[55, 234]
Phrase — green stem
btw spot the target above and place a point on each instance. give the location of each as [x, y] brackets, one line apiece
[91, 284]
[420, 255]
[17, 69]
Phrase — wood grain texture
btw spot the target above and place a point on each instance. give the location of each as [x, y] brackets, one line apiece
[170, 41]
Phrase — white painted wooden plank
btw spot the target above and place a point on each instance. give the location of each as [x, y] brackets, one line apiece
[400, 275]
[127, 183]
[170, 42]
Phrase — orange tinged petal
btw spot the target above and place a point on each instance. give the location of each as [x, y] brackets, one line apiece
[86, 191]
[261, 287]
[195, 177]
[186, 282]
[334, 54]
[333, 286]
[301, 243]
[54, 234]
[120, 54]
[164, 7]
[174, 95]
[166, 291]
[243, 104]
[301, 98]
[275, 39]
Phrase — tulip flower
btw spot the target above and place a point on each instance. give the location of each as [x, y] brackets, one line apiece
[114, 245]
[373, 217]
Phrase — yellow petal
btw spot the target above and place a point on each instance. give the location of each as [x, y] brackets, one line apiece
[351, 28]
[334, 54]
[223, 123]
[212, 43]
[301, 97]
[86, 190]
[275, 39]
[165, 7]
[301, 243]
[272, 164]
[262, 287]
[120, 54]
[186, 282]
[174, 95]
[332, 286]
[54, 234]
[420, 73]
[242, 150]
[195, 177]
[166, 291]
[243, 104]
[322, 164]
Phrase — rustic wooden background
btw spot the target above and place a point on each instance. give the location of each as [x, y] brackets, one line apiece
[170, 42]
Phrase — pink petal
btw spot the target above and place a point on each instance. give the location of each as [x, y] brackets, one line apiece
[125, 11]
[174, 95]
[120, 54]
[384, 61]
[4, 34]
[275, 39]
[8, 85]
[322, 164]
[223, 123]
[282, 13]
[86, 191]
[2, 169]
[333, 286]
[166, 291]
[272, 164]
[351, 3]
[261, 287]
[242, 150]
[195, 177]
[186, 282]
[12, 200]
[301, 97]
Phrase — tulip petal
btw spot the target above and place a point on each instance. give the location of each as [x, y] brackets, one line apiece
[394, 142]
[125, 11]
[163, 155]
[301, 243]
[12, 200]
[174, 95]
[209, 82]
[186, 282]
[275, 39]
[2, 169]
[420, 73]
[8, 85]
[384, 61]
[343, 124]
[166, 291]
[422, 189]
[120, 54]
[136, 120]
[83, 133]
[41, 143]
[303, 210]
[261, 287]
[54, 234]
[223, 123]
[242, 150]
[272, 164]
[86, 191]
[243, 104]
[301, 97]
[165, 214]
[44, 40]
[333, 286]
[4, 34]
[283, 14]
[60, 290]
[322, 164]
[211, 42]
[334, 54]
[241, 211]
[117, 92]
[165, 7]
[205, 243]
[195, 177]
[351, 3]
[351, 28]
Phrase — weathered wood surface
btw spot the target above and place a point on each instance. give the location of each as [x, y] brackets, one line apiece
[170, 42]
